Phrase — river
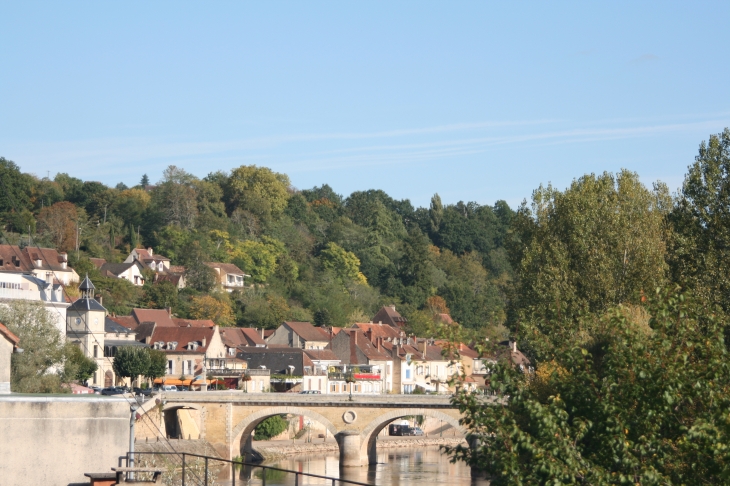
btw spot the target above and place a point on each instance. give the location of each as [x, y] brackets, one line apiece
[396, 467]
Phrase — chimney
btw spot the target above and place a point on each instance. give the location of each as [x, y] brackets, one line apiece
[369, 335]
[150, 250]
[148, 339]
[424, 347]
[169, 310]
[379, 343]
[262, 333]
[514, 346]
[205, 341]
[392, 306]
[101, 300]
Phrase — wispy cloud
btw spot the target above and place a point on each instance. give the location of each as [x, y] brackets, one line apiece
[112, 159]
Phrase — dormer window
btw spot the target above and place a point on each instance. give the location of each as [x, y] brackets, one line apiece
[172, 345]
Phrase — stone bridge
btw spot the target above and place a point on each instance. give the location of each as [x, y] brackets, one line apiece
[227, 419]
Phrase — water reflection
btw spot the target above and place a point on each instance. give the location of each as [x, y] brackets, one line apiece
[396, 467]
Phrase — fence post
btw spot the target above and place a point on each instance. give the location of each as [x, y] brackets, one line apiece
[183, 471]
[296, 479]
[263, 476]
[206, 471]
[233, 473]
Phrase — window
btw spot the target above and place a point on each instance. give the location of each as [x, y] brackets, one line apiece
[319, 384]
[170, 367]
[408, 374]
[96, 351]
[419, 370]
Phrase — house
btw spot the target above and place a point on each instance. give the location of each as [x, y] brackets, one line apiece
[229, 276]
[44, 263]
[388, 315]
[147, 258]
[286, 365]
[300, 335]
[175, 278]
[131, 271]
[162, 317]
[8, 345]
[233, 337]
[375, 331]
[352, 347]
[317, 377]
[20, 286]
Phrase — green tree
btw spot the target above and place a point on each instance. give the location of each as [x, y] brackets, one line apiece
[160, 295]
[131, 362]
[15, 192]
[343, 263]
[599, 243]
[145, 181]
[259, 190]
[700, 249]
[270, 427]
[38, 369]
[632, 404]
[158, 364]
[198, 275]
[84, 368]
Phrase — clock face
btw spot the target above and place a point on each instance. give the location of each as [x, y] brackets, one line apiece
[78, 321]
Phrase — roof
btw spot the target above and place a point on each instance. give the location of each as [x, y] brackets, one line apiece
[361, 342]
[241, 336]
[84, 304]
[388, 315]
[146, 256]
[97, 262]
[321, 354]
[173, 278]
[112, 326]
[9, 335]
[226, 268]
[17, 260]
[308, 332]
[86, 284]
[277, 360]
[374, 331]
[115, 268]
[176, 269]
[122, 342]
[193, 322]
[160, 316]
[126, 321]
[182, 336]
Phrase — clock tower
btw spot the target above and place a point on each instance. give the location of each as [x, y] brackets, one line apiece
[85, 326]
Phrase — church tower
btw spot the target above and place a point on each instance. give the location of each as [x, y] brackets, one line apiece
[85, 327]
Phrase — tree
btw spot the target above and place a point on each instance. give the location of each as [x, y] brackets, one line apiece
[208, 307]
[59, 222]
[84, 367]
[257, 258]
[259, 190]
[270, 427]
[145, 181]
[343, 263]
[632, 404]
[39, 368]
[131, 362]
[198, 275]
[599, 243]
[436, 213]
[158, 364]
[15, 191]
[700, 247]
[160, 295]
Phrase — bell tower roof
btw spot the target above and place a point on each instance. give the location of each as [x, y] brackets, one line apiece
[87, 288]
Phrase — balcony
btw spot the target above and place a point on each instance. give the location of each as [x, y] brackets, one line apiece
[339, 376]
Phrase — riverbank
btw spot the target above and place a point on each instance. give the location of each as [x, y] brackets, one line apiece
[272, 450]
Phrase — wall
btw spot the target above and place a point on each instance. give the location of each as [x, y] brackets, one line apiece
[6, 352]
[56, 439]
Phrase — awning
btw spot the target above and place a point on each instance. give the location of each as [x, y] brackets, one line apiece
[172, 381]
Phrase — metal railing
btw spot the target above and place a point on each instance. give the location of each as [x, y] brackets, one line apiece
[298, 475]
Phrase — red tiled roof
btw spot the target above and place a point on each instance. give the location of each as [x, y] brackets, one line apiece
[127, 321]
[308, 332]
[238, 336]
[226, 268]
[193, 322]
[9, 335]
[97, 262]
[183, 336]
[26, 259]
[144, 255]
[160, 316]
[390, 316]
[365, 346]
[378, 330]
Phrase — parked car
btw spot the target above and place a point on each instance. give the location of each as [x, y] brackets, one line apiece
[143, 391]
[416, 431]
[113, 390]
[169, 388]
[183, 388]
[97, 389]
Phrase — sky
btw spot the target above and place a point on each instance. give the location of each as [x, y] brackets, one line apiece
[475, 101]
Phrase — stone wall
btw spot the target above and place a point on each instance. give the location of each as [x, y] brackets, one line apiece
[56, 439]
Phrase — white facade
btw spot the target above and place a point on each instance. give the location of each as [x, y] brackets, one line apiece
[17, 286]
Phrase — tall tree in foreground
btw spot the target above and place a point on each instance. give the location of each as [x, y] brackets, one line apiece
[39, 368]
[700, 248]
[632, 405]
[599, 243]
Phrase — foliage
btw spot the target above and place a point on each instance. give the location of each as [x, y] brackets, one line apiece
[59, 222]
[217, 310]
[131, 361]
[158, 364]
[38, 369]
[270, 427]
[343, 263]
[84, 368]
[629, 405]
[259, 190]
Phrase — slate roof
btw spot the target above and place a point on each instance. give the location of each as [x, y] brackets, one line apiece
[115, 269]
[321, 354]
[277, 360]
[86, 284]
[83, 305]
[126, 321]
[111, 326]
[307, 332]
[388, 315]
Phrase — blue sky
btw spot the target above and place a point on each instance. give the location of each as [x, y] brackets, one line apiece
[474, 100]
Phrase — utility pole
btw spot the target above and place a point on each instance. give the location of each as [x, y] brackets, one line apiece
[205, 373]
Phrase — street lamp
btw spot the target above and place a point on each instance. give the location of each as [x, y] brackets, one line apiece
[350, 378]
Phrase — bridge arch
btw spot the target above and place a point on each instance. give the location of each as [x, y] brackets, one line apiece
[178, 426]
[368, 437]
[241, 440]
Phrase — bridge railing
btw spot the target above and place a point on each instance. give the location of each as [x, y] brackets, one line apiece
[202, 473]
